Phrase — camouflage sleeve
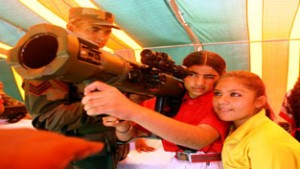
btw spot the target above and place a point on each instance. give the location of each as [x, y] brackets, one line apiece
[49, 104]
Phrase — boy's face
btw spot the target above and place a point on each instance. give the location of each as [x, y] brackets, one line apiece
[90, 31]
[234, 102]
[201, 79]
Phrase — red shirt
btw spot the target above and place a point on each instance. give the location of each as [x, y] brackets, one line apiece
[197, 111]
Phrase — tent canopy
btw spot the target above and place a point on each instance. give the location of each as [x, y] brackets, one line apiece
[256, 35]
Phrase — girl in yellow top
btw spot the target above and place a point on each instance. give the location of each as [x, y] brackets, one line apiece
[256, 141]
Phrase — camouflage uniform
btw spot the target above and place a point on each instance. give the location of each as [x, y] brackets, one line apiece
[56, 106]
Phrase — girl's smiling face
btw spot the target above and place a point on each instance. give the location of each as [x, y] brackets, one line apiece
[233, 101]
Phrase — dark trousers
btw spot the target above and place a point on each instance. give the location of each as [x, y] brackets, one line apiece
[108, 158]
[96, 162]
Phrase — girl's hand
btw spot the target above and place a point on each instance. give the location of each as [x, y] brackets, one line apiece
[141, 145]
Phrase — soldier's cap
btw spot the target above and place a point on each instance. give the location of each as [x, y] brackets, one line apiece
[99, 17]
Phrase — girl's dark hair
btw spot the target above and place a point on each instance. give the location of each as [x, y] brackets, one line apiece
[208, 58]
[254, 83]
[294, 102]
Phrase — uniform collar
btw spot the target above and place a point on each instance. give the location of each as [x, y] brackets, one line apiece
[204, 97]
[252, 123]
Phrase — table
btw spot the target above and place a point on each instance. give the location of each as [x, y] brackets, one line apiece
[147, 160]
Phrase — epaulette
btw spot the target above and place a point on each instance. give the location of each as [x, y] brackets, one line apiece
[39, 88]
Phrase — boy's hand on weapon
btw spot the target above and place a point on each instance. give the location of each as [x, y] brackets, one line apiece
[100, 98]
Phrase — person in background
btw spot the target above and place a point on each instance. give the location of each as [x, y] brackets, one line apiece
[56, 106]
[14, 110]
[1, 105]
[195, 134]
[8, 100]
[255, 141]
[290, 110]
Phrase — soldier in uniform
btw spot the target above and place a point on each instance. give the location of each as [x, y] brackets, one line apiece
[56, 105]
